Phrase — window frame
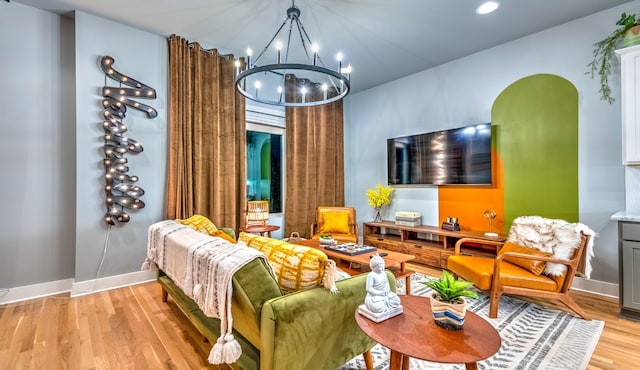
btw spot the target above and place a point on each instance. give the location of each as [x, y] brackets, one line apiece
[270, 121]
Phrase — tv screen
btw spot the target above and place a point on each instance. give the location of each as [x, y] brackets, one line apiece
[460, 156]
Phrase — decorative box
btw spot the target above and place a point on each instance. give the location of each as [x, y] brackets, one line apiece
[408, 218]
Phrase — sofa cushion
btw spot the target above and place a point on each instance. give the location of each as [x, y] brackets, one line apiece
[199, 223]
[204, 225]
[536, 267]
[335, 222]
[253, 285]
[296, 267]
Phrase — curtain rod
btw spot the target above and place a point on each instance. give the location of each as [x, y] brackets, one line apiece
[208, 51]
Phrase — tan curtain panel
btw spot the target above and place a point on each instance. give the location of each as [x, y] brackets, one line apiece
[315, 163]
[206, 168]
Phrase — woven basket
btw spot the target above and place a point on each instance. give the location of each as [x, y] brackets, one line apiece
[294, 237]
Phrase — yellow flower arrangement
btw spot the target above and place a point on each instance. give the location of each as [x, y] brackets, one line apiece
[379, 197]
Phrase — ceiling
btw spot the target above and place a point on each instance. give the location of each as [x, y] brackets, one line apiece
[382, 39]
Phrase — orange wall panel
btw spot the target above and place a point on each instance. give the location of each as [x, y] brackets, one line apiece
[468, 203]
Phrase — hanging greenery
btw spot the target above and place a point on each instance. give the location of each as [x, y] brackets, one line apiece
[603, 53]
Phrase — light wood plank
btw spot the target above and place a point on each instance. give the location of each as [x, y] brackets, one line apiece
[130, 328]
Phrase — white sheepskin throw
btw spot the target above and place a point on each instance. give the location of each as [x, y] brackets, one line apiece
[554, 236]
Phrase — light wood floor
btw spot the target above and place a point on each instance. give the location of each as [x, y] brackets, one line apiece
[130, 328]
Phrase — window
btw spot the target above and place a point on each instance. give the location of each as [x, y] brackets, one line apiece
[265, 158]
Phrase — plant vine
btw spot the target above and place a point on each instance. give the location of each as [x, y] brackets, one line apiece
[603, 54]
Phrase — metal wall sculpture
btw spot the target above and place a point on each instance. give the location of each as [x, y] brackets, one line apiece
[120, 188]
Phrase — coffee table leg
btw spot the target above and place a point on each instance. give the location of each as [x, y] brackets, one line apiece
[368, 360]
[407, 282]
[405, 362]
[471, 366]
[395, 360]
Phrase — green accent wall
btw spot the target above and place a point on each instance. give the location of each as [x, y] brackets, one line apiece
[537, 139]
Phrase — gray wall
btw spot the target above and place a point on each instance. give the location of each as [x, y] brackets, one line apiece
[51, 226]
[37, 148]
[142, 56]
[462, 92]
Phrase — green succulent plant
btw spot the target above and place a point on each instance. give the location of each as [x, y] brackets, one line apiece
[603, 54]
[449, 289]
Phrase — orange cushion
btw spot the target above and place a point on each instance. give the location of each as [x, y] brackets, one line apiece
[536, 267]
[479, 271]
[335, 222]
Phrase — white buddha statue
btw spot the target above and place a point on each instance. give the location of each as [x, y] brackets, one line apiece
[379, 298]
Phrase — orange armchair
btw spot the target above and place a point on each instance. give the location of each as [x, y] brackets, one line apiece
[529, 264]
[340, 222]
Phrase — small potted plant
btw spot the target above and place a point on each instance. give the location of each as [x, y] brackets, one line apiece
[447, 302]
[326, 238]
[629, 32]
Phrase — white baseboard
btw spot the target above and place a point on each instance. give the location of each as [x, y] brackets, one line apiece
[596, 287]
[24, 293]
[27, 292]
[112, 282]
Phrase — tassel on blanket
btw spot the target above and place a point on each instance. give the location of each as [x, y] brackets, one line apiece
[226, 350]
[329, 278]
[146, 265]
[197, 291]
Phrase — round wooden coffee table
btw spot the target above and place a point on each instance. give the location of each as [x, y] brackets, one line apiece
[415, 334]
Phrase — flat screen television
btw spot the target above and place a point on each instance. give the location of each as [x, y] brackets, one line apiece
[460, 156]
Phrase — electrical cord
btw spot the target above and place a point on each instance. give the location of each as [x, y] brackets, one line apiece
[102, 259]
[104, 251]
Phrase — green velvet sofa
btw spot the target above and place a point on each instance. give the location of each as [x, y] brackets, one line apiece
[310, 329]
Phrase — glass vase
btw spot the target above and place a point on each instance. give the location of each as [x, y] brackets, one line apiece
[377, 212]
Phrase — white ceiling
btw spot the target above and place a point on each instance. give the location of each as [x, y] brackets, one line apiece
[383, 39]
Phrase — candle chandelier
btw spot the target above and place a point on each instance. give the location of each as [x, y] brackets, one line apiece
[291, 76]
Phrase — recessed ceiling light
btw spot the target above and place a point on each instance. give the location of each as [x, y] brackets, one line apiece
[487, 7]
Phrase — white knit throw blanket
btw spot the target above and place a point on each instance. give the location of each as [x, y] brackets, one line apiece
[202, 266]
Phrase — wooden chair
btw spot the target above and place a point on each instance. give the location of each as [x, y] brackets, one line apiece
[340, 222]
[516, 270]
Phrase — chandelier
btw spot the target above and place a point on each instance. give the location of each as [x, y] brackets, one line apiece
[290, 76]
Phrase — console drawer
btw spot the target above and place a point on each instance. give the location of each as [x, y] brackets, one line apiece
[385, 244]
[425, 255]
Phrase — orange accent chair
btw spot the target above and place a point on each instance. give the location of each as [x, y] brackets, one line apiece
[522, 270]
[340, 222]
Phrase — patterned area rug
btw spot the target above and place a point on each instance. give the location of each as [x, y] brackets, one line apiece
[533, 337]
